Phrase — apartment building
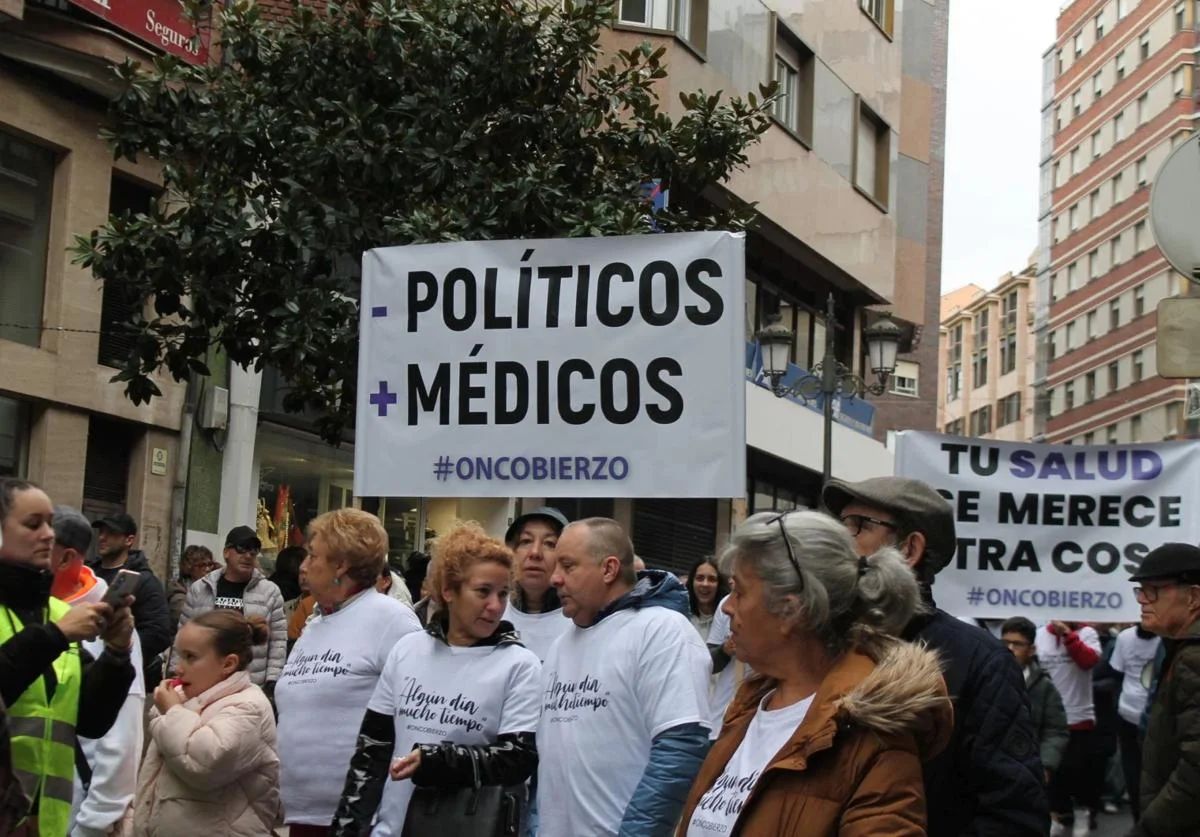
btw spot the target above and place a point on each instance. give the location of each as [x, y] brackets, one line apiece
[986, 360]
[1119, 94]
[849, 183]
[62, 423]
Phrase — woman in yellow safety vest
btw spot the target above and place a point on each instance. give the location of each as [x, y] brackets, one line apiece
[54, 690]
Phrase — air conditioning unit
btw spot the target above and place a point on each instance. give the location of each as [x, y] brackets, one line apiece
[214, 408]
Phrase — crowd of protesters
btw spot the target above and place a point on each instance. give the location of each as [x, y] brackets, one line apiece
[802, 682]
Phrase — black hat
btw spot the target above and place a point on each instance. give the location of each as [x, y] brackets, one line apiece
[1171, 560]
[551, 515]
[242, 535]
[120, 523]
[917, 507]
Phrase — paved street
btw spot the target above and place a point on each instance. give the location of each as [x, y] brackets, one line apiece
[1111, 825]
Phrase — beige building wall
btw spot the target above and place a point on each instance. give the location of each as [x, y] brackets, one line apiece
[59, 379]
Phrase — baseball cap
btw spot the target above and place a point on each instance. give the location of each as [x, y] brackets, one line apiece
[120, 523]
[552, 515]
[1171, 560]
[242, 535]
[916, 505]
[71, 529]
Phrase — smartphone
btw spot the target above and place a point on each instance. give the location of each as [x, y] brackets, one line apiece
[125, 582]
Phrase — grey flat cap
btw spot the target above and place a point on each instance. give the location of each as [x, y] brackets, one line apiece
[914, 503]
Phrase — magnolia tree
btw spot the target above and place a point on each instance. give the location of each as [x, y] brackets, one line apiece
[358, 125]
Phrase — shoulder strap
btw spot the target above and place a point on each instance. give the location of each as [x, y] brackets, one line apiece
[82, 767]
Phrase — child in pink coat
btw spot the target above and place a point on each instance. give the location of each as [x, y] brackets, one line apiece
[212, 766]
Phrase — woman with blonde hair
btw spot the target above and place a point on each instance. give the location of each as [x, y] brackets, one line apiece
[334, 666]
[457, 703]
[829, 735]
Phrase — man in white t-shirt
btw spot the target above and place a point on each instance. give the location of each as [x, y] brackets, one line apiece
[533, 608]
[1133, 655]
[1069, 656]
[728, 671]
[625, 713]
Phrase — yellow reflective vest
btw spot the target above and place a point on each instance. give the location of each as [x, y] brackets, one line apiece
[43, 730]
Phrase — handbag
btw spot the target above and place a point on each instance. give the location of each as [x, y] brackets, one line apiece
[477, 811]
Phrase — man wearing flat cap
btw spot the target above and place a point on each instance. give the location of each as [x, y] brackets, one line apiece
[989, 781]
[1169, 595]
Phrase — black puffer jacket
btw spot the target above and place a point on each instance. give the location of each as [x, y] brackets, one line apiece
[151, 614]
[989, 781]
[509, 761]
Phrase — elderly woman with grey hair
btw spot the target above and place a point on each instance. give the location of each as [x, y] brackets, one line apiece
[829, 735]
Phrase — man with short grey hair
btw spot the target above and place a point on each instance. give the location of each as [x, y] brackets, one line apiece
[625, 715]
[989, 781]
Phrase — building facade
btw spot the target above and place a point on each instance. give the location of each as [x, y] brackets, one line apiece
[986, 360]
[63, 424]
[1119, 95]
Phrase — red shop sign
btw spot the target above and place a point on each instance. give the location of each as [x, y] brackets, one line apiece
[160, 23]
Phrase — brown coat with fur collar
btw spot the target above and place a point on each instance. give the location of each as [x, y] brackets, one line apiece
[853, 766]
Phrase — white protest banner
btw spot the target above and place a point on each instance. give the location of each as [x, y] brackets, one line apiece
[582, 367]
[1053, 531]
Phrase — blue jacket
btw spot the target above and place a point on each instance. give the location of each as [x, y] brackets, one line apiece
[677, 753]
[989, 781]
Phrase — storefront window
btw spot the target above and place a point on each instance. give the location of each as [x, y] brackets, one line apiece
[14, 437]
[299, 478]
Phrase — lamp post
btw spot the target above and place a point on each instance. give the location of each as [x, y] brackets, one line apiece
[830, 377]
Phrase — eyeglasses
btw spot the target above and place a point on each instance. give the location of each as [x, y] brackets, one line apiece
[787, 542]
[1150, 592]
[854, 523]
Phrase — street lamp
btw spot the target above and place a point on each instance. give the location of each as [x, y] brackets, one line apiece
[830, 377]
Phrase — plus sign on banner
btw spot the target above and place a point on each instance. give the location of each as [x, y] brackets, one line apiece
[602, 367]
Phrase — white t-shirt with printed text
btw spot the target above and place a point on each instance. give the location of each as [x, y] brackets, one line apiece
[607, 691]
[1072, 682]
[440, 693]
[725, 683]
[322, 696]
[538, 631]
[1131, 656]
[719, 807]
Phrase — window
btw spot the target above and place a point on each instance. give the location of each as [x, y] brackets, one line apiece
[26, 181]
[1073, 217]
[1070, 336]
[1099, 23]
[686, 18]
[1139, 301]
[954, 363]
[1122, 9]
[1009, 409]
[1072, 276]
[1097, 87]
[1114, 376]
[1075, 162]
[1089, 325]
[1116, 188]
[794, 72]
[1119, 127]
[14, 437]
[879, 11]
[981, 421]
[872, 155]
[1089, 388]
[1137, 370]
[1114, 314]
[110, 447]
[1008, 339]
[1058, 123]
[1177, 81]
[1069, 395]
[1093, 265]
[1089, 438]
[1094, 204]
[1118, 254]
[906, 378]
[1180, 16]
[953, 382]
[118, 303]
[1135, 429]
[1139, 171]
[979, 368]
[1141, 240]
[1078, 43]
[1120, 65]
[956, 339]
[1053, 345]
[1143, 109]
[1095, 144]
[1076, 104]
[1111, 433]
[1144, 46]
[954, 428]
[981, 328]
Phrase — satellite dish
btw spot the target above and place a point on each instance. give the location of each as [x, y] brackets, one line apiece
[1174, 215]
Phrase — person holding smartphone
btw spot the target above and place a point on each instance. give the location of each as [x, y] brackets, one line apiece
[53, 688]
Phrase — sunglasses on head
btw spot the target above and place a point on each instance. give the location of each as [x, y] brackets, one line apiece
[787, 542]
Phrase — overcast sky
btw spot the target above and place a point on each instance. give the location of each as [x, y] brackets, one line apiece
[993, 136]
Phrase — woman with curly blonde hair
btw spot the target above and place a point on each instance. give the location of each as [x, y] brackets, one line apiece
[457, 703]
